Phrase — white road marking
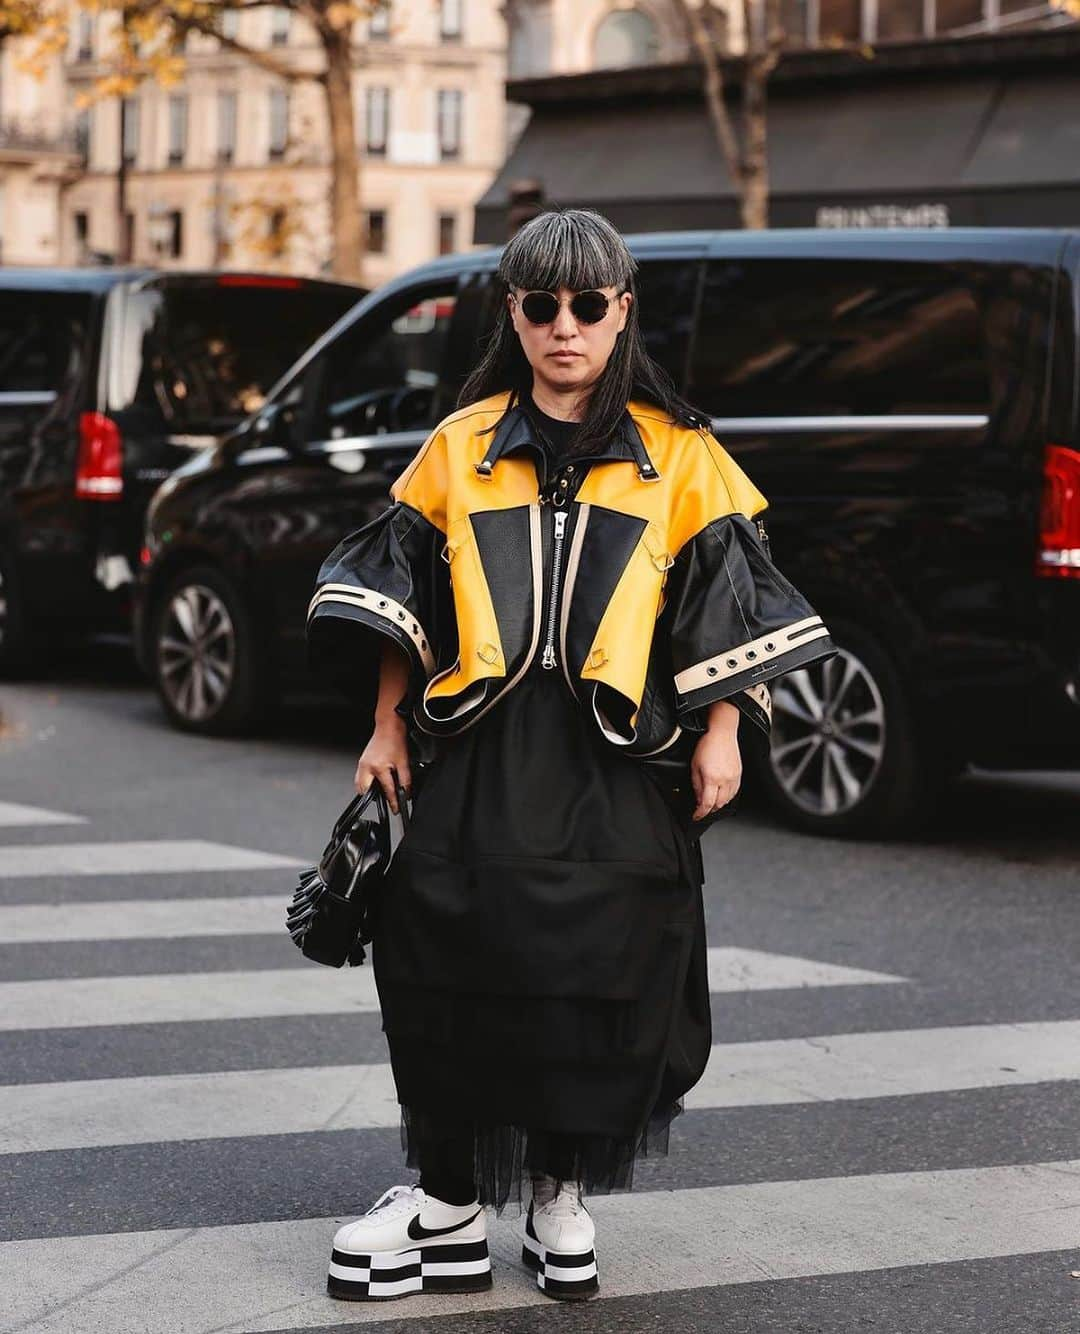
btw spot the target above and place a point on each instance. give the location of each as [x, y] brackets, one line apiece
[87, 1113]
[734, 969]
[260, 1277]
[13, 814]
[730, 968]
[145, 919]
[151, 857]
[84, 1002]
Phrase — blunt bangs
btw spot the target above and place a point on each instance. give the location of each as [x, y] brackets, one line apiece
[572, 248]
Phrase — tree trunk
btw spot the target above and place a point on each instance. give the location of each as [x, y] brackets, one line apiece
[714, 98]
[345, 223]
[765, 39]
[755, 195]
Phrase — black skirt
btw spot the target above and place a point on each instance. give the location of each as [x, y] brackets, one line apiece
[541, 958]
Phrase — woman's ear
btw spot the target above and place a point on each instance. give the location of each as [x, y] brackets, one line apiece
[624, 313]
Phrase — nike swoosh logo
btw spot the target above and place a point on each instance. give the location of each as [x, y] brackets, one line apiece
[417, 1231]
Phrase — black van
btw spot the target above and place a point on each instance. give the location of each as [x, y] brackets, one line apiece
[908, 402]
[109, 379]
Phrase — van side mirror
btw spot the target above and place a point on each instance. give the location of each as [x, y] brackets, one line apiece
[274, 425]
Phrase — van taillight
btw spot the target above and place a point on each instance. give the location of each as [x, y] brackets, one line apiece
[99, 474]
[1059, 519]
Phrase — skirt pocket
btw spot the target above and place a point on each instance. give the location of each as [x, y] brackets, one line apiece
[518, 926]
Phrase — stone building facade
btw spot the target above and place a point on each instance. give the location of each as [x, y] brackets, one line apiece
[230, 167]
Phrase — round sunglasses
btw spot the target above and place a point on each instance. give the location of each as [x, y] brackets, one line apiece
[587, 307]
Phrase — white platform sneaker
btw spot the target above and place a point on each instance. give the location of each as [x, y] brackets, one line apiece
[559, 1243]
[410, 1242]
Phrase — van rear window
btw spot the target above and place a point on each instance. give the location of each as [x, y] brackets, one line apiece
[199, 357]
[799, 338]
[43, 340]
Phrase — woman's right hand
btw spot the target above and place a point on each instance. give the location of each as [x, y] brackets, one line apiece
[386, 751]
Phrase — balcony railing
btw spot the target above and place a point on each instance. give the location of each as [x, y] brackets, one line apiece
[23, 137]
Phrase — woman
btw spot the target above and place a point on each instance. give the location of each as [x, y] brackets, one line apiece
[566, 564]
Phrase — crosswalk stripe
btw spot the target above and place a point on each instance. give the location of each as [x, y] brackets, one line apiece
[262, 1276]
[222, 1105]
[149, 857]
[144, 919]
[86, 1002]
[731, 968]
[12, 813]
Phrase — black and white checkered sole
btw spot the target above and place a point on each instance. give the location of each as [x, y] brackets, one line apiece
[453, 1266]
[569, 1275]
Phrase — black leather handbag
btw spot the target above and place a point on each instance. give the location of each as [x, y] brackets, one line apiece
[335, 908]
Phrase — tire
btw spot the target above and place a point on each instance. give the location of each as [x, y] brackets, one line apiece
[203, 655]
[871, 779]
[19, 650]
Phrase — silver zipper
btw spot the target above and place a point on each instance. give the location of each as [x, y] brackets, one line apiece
[548, 660]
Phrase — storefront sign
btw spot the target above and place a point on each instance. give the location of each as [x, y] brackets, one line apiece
[883, 215]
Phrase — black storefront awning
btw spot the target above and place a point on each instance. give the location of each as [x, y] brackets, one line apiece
[958, 149]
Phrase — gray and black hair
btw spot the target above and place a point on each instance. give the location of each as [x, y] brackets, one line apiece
[578, 249]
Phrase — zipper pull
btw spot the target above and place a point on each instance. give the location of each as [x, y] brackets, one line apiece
[560, 522]
[548, 660]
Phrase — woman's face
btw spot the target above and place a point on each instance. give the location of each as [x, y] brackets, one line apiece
[565, 354]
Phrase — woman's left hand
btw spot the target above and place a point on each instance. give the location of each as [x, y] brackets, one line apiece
[716, 765]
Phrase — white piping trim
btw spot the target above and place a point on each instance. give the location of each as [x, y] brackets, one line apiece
[371, 599]
[766, 648]
[930, 421]
[536, 547]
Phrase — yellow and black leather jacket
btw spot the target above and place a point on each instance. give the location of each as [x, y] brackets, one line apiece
[642, 573]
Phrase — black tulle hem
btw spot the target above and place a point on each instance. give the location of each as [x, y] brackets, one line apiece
[505, 1157]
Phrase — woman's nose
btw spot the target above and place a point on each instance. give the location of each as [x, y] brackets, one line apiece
[565, 324]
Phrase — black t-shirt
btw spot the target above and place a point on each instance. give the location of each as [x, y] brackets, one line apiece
[558, 435]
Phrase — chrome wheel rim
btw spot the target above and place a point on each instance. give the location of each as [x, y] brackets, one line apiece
[828, 734]
[196, 652]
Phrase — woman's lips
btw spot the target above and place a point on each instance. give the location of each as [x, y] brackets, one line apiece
[565, 356]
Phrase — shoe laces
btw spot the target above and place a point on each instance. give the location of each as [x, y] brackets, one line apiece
[396, 1200]
[566, 1204]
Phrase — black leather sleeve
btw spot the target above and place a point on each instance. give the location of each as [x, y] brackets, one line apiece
[386, 579]
[735, 623]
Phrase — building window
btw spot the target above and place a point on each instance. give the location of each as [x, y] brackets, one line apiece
[226, 126]
[447, 233]
[280, 21]
[165, 231]
[81, 226]
[377, 121]
[279, 123]
[449, 117]
[627, 37]
[178, 123]
[376, 231]
[175, 244]
[450, 20]
[82, 134]
[379, 22]
[127, 238]
[86, 36]
[129, 129]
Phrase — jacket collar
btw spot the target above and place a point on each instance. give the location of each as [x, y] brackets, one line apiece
[515, 431]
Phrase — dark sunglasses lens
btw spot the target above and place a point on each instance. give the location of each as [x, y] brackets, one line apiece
[589, 307]
[539, 307]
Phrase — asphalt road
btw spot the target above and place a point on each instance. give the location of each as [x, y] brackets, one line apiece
[887, 1138]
